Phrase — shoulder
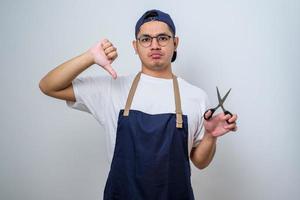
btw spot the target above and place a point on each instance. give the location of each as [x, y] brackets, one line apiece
[124, 78]
[106, 79]
[191, 90]
[123, 81]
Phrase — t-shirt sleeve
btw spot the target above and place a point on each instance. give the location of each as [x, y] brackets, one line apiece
[200, 125]
[90, 92]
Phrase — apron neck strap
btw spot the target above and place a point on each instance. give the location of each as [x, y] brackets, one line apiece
[178, 110]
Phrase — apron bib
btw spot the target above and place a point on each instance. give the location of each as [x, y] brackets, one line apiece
[150, 160]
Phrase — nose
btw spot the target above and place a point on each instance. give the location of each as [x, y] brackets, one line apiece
[154, 43]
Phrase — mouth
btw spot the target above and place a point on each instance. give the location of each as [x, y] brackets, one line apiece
[156, 55]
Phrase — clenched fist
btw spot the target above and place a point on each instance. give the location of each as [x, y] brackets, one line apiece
[104, 53]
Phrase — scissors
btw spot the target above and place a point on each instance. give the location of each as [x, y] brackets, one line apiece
[221, 101]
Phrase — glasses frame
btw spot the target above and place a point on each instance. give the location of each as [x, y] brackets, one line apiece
[169, 36]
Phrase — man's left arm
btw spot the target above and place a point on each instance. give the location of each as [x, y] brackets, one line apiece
[203, 154]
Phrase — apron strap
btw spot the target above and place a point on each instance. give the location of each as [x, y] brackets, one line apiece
[179, 120]
[131, 94]
[178, 110]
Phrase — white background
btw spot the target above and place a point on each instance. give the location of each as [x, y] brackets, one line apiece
[49, 151]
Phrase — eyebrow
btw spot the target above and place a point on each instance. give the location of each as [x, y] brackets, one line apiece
[163, 33]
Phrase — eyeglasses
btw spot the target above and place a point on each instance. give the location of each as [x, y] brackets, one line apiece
[162, 40]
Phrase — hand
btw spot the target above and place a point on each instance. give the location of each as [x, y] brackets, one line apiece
[217, 125]
[104, 53]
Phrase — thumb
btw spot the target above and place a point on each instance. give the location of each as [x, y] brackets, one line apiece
[110, 70]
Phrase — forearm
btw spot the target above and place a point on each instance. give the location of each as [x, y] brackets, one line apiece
[62, 76]
[203, 154]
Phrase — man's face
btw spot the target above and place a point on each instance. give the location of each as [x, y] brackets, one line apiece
[155, 57]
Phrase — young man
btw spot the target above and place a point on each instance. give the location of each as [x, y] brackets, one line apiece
[153, 120]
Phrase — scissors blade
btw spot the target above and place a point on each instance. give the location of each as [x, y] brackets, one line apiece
[221, 101]
[224, 98]
[219, 96]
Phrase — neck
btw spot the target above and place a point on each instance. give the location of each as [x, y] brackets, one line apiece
[163, 73]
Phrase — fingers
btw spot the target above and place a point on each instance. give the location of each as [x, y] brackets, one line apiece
[232, 119]
[105, 42]
[226, 117]
[107, 46]
[229, 118]
[109, 50]
[112, 56]
[231, 127]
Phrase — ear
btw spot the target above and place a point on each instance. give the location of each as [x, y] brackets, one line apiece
[176, 42]
[134, 46]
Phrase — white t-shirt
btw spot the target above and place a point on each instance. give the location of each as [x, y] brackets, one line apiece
[104, 97]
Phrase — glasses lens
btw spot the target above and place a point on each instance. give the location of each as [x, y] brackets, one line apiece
[145, 41]
[163, 40]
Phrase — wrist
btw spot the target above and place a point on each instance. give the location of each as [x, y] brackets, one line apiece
[209, 136]
[89, 57]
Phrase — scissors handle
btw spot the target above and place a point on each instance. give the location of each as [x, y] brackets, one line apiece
[226, 112]
[212, 110]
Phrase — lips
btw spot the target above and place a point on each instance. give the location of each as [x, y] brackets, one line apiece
[155, 55]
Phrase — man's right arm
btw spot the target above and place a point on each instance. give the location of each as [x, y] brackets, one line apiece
[58, 82]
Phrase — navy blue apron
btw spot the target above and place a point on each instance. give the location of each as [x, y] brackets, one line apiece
[150, 160]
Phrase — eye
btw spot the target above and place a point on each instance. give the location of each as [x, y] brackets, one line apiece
[145, 39]
[163, 38]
